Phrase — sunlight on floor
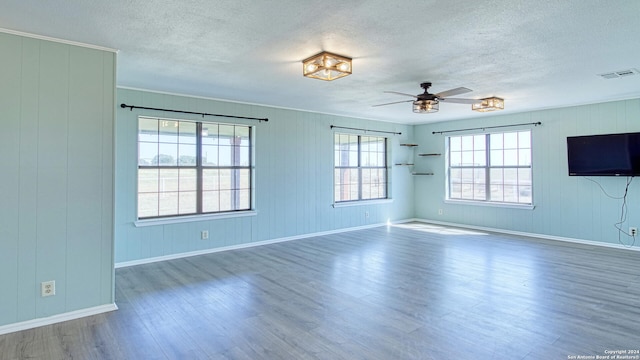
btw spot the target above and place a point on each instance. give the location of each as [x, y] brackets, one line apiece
[437, 229]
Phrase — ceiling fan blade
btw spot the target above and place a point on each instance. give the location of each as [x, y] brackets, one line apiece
[399, 93]
[453, 92]
[461, 101]
[391, 103]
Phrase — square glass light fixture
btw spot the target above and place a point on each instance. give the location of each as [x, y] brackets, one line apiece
[489, 104]
[426, 106]
[326, 66]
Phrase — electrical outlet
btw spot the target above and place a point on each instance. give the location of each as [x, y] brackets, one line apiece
[204, 234]
[366, 214]
[48, 288]
[633, 231]
[439, 211]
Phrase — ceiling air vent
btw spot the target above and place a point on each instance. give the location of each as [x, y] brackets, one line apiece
[619, 74]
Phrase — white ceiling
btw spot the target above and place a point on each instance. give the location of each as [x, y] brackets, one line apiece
[534, 54]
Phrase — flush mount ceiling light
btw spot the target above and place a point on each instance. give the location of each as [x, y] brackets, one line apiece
[326, 66]
[489, 104]
[426, 106]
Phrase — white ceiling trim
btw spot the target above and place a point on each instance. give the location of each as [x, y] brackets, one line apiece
[61, 41]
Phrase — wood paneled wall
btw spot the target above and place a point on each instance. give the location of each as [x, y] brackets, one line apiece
[56, 161]
[565, 206]
[293, 179]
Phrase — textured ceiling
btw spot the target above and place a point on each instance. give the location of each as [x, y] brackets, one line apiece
[534, 54]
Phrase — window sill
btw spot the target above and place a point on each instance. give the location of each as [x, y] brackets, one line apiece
[491, 204]
[361, 202]
[192, 218]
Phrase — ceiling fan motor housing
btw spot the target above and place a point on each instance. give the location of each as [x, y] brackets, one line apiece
[426, 95]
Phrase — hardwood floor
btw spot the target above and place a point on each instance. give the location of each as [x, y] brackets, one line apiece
[413, 291]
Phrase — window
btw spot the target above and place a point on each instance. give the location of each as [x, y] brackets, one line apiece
[360, 167]
[187, 167]
[490, 167]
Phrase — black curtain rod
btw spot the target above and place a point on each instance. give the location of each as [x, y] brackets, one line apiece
[131, 107]
[486, 127]
[366, 130]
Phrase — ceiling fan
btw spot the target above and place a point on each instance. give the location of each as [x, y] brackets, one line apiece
[428, 103]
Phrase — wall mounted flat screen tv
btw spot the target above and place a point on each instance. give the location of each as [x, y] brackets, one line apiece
[604, 155]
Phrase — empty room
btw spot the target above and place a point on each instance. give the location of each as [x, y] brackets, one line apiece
[335, 180]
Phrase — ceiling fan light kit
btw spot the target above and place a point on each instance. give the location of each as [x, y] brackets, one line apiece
[425, 106]
[326, 66]
[488, 104]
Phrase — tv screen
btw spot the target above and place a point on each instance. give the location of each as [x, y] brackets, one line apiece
[604, 155]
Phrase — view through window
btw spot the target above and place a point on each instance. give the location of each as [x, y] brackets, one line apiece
[187, 167]
[490, 167]
[360, 171]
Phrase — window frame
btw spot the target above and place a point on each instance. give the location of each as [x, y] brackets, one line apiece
[359, 169]
[199, 167]
[488, 167]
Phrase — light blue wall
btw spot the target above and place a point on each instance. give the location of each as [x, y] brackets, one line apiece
[293, 179]
[56, 187]
[565, 206]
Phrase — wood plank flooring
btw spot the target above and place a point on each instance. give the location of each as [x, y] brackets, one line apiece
[413, 291]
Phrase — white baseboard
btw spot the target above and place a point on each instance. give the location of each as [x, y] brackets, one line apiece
[337, 231]
[248, 245]
[533, 235]
[72, 315]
